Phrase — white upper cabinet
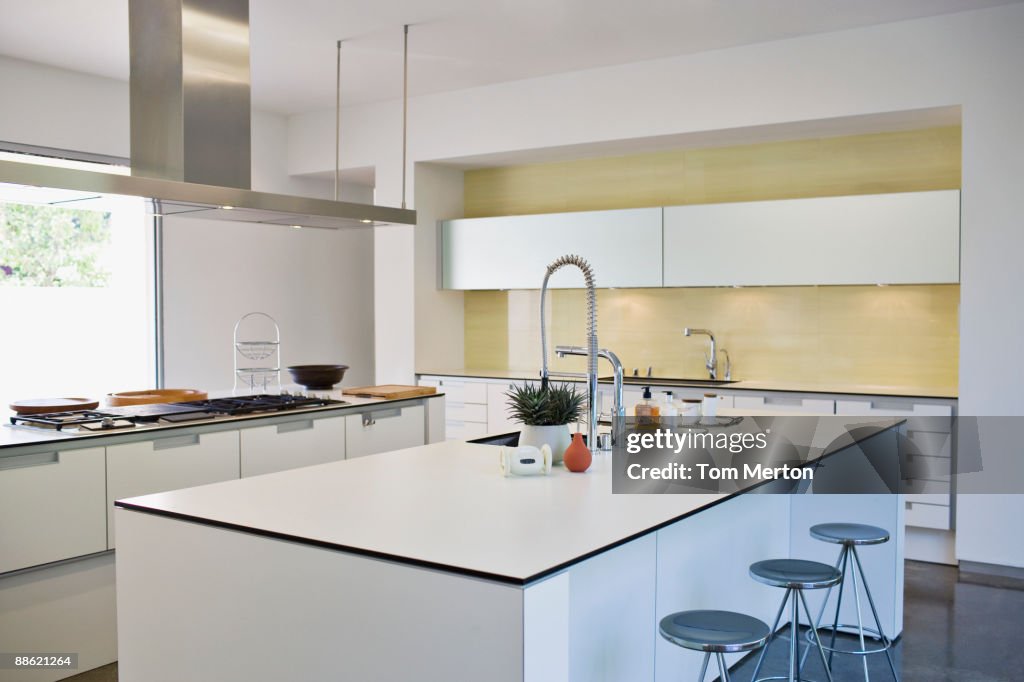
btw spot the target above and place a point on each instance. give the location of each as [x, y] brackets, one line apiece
[512, 252]
[905, 238]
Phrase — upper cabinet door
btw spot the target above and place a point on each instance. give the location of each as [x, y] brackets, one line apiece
[906, 238]
[512, 252]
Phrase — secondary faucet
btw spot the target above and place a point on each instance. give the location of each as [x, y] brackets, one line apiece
[617, 408]
[588, 275]
[710, 359]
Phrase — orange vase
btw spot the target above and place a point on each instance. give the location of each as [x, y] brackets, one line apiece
[577, 456]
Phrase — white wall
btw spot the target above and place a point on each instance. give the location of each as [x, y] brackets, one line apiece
[216, 272]
[319, 285]
[50, 107]
[970, 59]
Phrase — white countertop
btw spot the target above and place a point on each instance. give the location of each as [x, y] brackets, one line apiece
[20, 435]
[447, 506]
[894, 390]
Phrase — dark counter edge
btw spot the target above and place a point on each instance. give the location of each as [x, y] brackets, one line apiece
[233, 419]
[691, 383]
[485, 575]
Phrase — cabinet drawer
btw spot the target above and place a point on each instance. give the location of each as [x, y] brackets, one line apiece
[921, 467]
[467, 412]
[460, 430]
[464, 391]
[768, 404]
[892, 407]
[930, 443]
[927, 516]
[384, 429]
[290, 445]
[168, 463]
[937, 499]
[920, 486]
[51, 507]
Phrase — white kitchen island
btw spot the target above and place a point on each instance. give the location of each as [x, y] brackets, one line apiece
[426, 564]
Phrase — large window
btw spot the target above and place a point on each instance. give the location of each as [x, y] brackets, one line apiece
[76, 291]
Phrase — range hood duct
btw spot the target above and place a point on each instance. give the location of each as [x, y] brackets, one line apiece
[191, 107]
[191, 127]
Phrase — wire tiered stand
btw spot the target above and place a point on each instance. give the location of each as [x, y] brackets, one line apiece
[257, 358]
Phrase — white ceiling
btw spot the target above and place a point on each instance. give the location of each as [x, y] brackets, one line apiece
[453, 44]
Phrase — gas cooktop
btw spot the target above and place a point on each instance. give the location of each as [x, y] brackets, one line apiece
[113, 418]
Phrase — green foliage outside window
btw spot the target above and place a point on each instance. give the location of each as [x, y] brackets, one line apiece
[48, 246]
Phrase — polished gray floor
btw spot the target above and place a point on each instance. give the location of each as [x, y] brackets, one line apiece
[952, 632]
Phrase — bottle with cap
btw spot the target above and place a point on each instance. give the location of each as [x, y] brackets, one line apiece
[668, 406]
[646, 410]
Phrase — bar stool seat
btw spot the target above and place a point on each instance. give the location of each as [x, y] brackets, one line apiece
[849, 534]
[714, 632]
[795, 573]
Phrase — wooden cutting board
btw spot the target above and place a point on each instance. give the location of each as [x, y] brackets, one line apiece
[390, 391]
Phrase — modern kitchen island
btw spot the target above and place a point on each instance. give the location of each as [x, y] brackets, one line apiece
[427, 564]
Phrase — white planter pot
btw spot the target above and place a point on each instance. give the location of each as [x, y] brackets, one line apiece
[557, 438]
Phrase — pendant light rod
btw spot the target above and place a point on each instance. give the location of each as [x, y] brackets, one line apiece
[405, 104]
[337, 124]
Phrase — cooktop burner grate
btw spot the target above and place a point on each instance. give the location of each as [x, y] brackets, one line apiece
[58, 420]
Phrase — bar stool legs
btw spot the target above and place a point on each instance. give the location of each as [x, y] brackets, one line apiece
[795, 597]
[723, 669]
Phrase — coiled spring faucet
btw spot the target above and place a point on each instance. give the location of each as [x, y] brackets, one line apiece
[593, 408]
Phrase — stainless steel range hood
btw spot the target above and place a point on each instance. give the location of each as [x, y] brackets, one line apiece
[190, 126]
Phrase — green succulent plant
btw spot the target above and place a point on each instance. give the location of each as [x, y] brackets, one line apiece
[534, 405]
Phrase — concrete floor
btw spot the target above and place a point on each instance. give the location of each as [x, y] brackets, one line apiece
[952, 632]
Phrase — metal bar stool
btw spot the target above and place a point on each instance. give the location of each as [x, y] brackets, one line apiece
[714, 632]
[849, 535]
[796, 575]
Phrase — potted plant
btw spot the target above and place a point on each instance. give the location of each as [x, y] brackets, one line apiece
[545, 413]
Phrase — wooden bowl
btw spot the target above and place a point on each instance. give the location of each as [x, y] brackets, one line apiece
[45, 405]
[317, 377]
[154, 395]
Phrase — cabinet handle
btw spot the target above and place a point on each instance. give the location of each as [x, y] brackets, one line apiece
[32, 460]
[176, 442]
[301, 425]
[370, 418]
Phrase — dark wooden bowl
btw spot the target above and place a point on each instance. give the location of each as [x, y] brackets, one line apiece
[317, 377]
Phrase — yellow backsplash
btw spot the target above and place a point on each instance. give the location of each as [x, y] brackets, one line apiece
[896, 335]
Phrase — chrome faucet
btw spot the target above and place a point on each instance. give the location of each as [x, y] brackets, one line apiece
[618, 410]
[710, 359]
[593, 408]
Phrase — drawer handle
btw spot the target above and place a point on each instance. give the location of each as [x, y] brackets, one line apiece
[176, 442]
[33, 460]
[301, 425]
[370, 418]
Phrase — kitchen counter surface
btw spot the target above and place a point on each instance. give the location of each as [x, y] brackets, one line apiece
[907, 391]
[445, 506]
[13, 436]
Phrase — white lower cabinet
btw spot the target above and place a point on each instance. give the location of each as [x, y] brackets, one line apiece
[291, 444]
[168, 463]
[498, 420]
[51, 507]
[388, 428]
